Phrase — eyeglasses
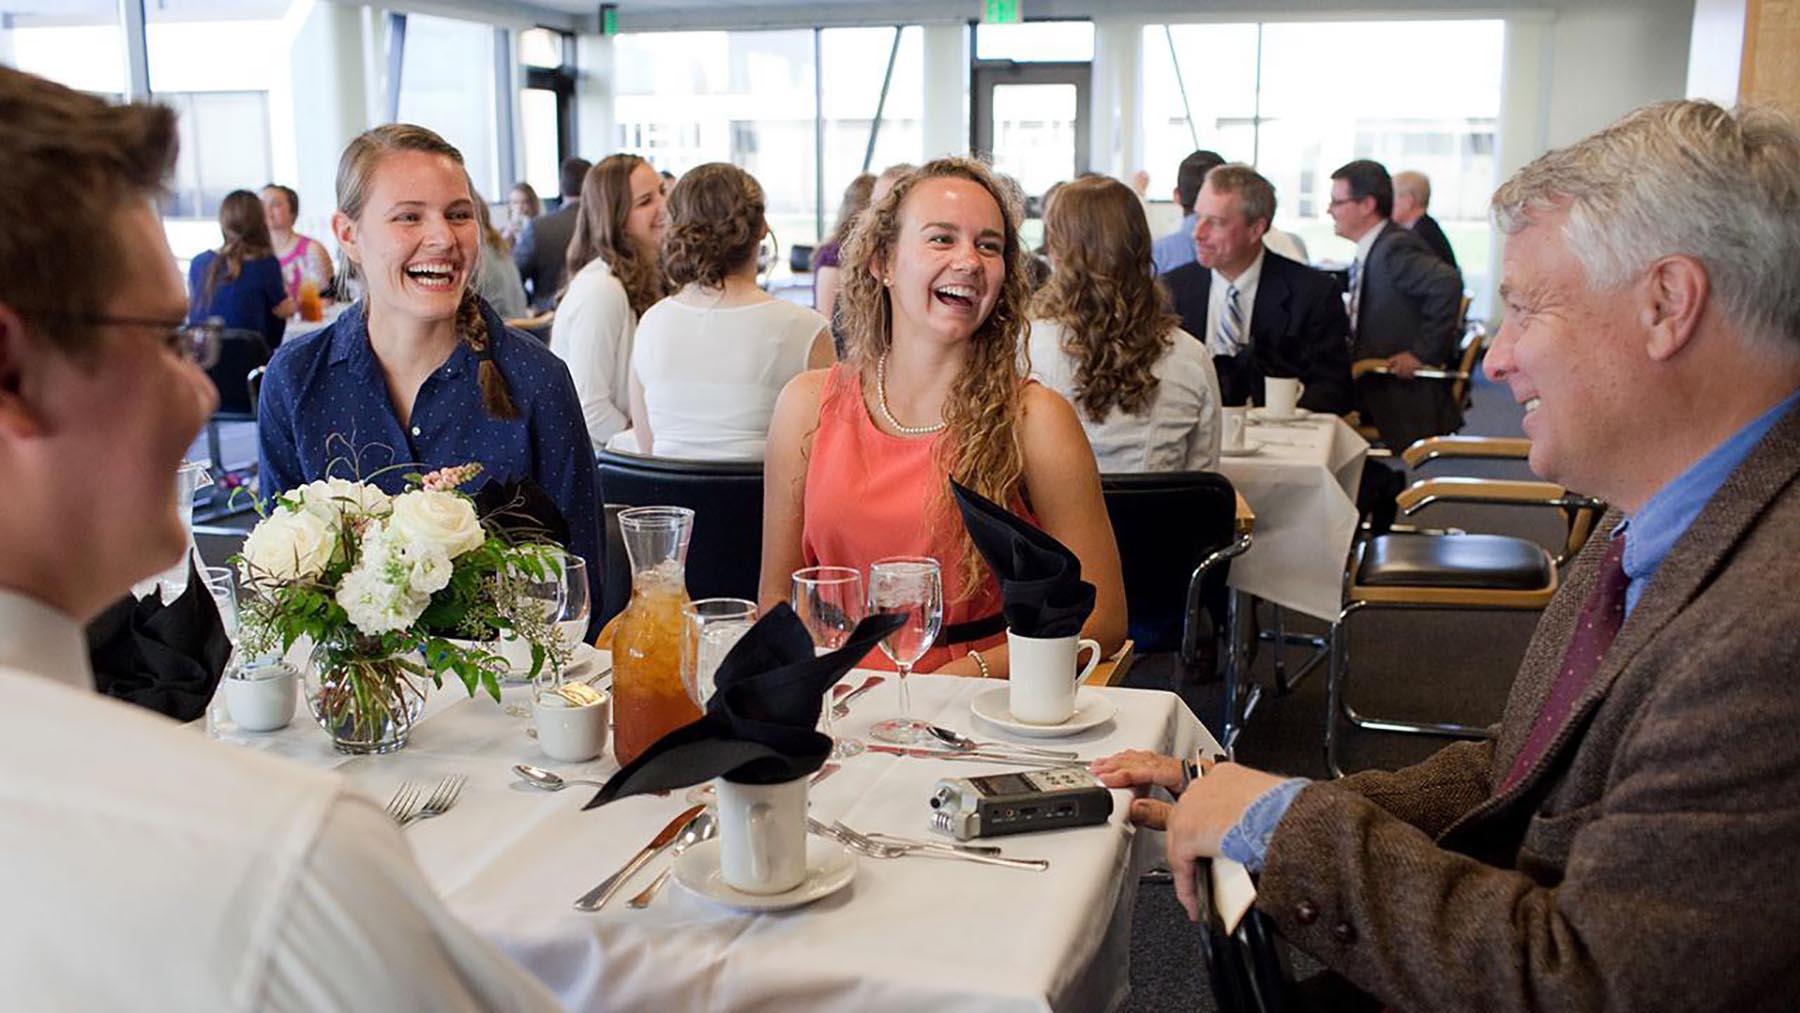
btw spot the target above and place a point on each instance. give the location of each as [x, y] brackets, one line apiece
[1336, 201]
[197, 343]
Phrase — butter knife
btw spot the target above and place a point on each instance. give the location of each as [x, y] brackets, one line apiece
[596, 898]
[970, 757]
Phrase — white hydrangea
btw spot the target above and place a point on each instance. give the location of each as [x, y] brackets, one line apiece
[371, 597]
[437, 518]
[427, 567]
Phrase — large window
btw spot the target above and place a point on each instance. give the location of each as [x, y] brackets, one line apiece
[1300, 99]
[447, 84]
[84, 51]
[853, 65]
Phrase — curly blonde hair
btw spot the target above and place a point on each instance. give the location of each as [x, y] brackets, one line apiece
[600, 232]
[1104, 293]
[980, 445]
[716, 224]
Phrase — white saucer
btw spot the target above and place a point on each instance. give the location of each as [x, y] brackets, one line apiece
[1249, 448]
[829, 868]
[1091, 710]
[1265, 415]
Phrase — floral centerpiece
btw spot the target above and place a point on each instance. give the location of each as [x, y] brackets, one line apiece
[392, 591]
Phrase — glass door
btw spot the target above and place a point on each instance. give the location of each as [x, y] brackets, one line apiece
[1032, 119]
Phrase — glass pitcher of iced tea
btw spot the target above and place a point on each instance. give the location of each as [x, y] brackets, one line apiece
[649, 700]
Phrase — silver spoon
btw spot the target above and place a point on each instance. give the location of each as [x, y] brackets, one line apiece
[962, 743]
[704, 828]
[549, 780]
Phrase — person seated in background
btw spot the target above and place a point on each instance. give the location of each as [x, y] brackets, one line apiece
[615, 274]
[240, 285]
[1626, 839]
[934, 306]
[420, 373]
[496, 279]
[1258, 313]
[1412, 200]
[1177, 248]
[541, 253]
[1102, 337]
[825, 258]
[1404, 309]
[304, 260]
[522, 205]
[209, 877]
[709, 361]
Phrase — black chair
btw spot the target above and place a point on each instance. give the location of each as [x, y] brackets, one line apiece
[1246, 966]
[243, 358]
[1177, 534]
[725, 553]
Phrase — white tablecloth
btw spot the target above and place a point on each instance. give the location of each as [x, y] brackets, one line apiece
[906, 934]
[1302, 486]
[297, 327]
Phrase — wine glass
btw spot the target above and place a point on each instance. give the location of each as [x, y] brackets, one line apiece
[911, 586]
[709, 628]
[543, 595]
[577, 606]
[829, 600]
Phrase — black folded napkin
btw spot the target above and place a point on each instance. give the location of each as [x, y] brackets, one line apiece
[759, 725]
[167, 658]
[1040, 579]
[522, 507]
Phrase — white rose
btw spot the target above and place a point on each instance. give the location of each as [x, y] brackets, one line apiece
[374, 605]
[327, 498]
[287, 546]
[437, 518]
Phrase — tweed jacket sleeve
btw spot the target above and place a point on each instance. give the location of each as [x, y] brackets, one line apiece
[1434, 793]
[1648, 859]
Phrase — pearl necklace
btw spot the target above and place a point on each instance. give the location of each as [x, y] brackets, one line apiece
[887, 413]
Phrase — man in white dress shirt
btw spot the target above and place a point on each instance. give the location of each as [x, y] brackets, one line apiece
[142, 865]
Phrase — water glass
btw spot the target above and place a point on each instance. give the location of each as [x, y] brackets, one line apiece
[709, 629]
[911, 586]
[221, 584]
[829, 600]
[577, 603]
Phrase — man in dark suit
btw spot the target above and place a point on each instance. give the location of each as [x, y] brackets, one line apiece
[1412, 201]
[1404, 305]
[542, 252]
[1627, 839]
[1259, 313]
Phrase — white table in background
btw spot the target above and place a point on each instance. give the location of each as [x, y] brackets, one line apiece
[1302, 485]
[297, 327]
[907, 934]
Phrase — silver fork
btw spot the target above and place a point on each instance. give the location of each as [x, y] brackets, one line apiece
[406, 797]
[875, 849]
[440, 801]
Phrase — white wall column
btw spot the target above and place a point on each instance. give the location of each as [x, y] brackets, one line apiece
[322, 104]
[1115, 121]
[595, 133]
[946, 113]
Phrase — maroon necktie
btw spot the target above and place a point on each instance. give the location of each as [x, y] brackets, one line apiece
[1600, 619]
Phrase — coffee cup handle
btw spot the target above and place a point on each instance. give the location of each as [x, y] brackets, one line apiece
[760, 821]
[1093, 661]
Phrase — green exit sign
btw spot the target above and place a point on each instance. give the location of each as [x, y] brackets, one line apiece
[609, 19]
[1002, 12]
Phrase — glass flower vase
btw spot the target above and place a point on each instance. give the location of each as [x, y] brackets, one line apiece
[366, 701]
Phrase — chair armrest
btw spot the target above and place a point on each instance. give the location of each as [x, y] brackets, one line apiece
[1245, 523]
[1112, 671]
[1434, 448]
[1425, 492]
[1217, 558]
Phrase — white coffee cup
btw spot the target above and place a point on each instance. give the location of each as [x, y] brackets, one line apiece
[262, 698]
[762, 835]
[1281, 395]
[1044, 677]
[1232, 422]
[569, 732]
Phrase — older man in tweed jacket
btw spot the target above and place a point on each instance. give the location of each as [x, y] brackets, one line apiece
[1631, 838]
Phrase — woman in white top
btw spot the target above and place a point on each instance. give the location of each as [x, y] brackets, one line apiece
[709, 361]
[1102, 336]
[613, 277]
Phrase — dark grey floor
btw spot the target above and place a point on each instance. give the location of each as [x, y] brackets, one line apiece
[1454, 666]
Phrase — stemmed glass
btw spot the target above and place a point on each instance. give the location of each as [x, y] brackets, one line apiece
[829, 600]
[546, 597]
[911, 586]
[221, 584]
[709, 628]
[577, 607]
